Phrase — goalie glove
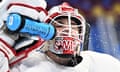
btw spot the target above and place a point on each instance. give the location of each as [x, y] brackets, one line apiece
[26, 16]
[6, 51]
[29, 8]
[4, 67]
[19, 49]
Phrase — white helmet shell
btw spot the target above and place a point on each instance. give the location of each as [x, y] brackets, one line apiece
[61, 10]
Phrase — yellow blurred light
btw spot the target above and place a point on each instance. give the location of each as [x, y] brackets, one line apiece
[97, 10]
[116, 8]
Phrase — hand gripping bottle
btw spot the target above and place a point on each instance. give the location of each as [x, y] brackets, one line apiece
[19, 23]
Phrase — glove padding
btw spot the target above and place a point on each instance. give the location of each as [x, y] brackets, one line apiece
[3, 63]
[34, 9]
[29, 8]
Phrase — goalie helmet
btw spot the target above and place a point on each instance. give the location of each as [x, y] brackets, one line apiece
[70, 38]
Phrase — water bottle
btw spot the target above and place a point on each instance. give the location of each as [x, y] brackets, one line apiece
[18, 23]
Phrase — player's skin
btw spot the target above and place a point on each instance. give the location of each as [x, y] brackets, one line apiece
[58, 27]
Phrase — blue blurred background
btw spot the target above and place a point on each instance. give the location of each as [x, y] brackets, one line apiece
[104, 18]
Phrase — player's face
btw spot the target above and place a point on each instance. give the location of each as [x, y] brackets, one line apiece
[65, 27]
[64, 21]
[67, 38]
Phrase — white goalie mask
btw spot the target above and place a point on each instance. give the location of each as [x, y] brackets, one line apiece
[70, 28]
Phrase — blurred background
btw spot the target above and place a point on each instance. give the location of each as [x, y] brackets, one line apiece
[104, 18]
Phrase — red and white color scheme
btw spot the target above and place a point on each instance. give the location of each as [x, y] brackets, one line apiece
[29, 8]
[38, 62]
[68, 37]
[32, 9]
